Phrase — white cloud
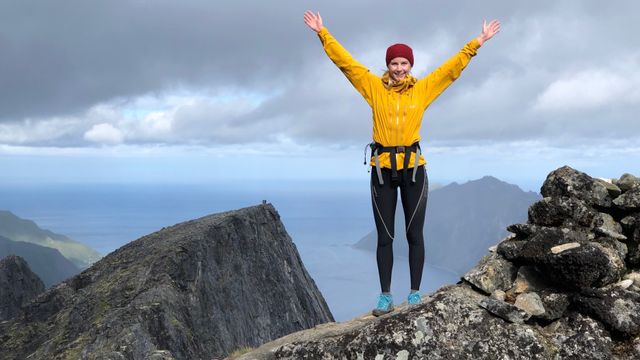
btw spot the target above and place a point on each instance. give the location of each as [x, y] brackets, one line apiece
[31, 131]
[104, 133]
[590, 89]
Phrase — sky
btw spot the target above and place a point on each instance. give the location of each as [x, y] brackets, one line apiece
[201, 91]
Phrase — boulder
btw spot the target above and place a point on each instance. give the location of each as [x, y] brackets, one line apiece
[590, 264]
[629, 201]
[492, 273]
[617, 308]
[605, 225]
[628, 182]
[580, 337]
[568, 182]
[559, 211]
[555, 305]
[530, 303]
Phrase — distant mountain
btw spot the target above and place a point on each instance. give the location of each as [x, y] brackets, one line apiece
[17, 229]
[50, 266]
[463, 221]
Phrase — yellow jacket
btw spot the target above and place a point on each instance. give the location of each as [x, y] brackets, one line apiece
[397, 116]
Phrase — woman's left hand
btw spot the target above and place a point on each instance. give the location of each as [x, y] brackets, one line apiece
[488, 31]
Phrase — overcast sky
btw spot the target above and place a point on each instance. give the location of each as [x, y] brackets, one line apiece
[177, 91]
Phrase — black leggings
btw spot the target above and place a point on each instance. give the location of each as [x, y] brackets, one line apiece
[414, 202]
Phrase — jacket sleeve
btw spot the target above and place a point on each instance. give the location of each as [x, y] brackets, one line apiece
[436, 82]
[359, 76]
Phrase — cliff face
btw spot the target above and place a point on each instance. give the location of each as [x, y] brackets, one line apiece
[18, 285]
[565, 285]
[196, 290]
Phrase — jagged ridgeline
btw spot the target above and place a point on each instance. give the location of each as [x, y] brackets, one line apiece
[565, 285]
[196, 290]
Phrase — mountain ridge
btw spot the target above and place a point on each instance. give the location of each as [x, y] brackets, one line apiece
[197, 289]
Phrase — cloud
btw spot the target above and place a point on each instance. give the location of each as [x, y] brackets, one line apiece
[592, 89]
[104, 133]
[199, 73]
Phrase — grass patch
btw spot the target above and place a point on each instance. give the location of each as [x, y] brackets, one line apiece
[236, 354]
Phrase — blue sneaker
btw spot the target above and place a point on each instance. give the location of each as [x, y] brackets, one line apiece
[414, 298]
[385, 305]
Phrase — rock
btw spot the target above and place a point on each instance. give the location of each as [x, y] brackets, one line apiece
[617, 308]
[528, 279]
[511, 249]
[612, 188]
[629, 201]
[530, 303]
[605, 225]
[522, 231]
[633, 276]
[505, 310]
[451, 326]
[564, 247]
[569, 182]
[591, 264]
[624, 284]
[628, 182]
[498, 295]
[195, 290]
[579, 337]
[555, 305]
[18, 285]
[629, 223]
[614, 244]
[493, 272]
[558, 211]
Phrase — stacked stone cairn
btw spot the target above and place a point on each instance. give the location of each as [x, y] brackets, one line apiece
[577, 255]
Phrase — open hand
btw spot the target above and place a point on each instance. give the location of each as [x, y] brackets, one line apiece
[488, 30]
[314, 21]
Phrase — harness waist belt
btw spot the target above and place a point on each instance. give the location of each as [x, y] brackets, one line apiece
[377, 149]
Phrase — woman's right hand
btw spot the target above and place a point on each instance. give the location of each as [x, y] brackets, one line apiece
[314, 21]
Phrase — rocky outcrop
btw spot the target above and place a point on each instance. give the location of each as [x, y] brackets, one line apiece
[196, 290]
[18, 285]
[565, 285]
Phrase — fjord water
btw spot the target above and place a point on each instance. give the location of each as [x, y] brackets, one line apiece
[324, 219]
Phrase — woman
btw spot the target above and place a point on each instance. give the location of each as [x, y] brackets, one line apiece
[398, 101]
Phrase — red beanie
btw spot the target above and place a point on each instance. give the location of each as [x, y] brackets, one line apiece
[399, 50]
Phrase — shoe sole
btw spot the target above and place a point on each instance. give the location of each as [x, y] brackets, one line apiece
[377, 312]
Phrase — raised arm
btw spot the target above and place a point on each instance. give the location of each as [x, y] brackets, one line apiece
[436, 82]
[359, 76]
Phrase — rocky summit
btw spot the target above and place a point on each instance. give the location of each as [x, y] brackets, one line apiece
[197, 290]
[18, 285]
[564, 285]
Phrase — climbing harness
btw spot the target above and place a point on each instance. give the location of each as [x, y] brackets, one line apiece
[377, 149]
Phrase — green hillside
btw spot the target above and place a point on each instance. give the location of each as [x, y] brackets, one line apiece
[17, 229]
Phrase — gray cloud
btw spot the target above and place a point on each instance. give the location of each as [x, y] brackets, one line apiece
[62, 61]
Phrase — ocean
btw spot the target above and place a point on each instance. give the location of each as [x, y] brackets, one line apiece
[324, 218]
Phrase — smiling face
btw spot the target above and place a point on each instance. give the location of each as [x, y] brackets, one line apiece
[399, 68]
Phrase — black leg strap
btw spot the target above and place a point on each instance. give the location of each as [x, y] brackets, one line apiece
[394, 165]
